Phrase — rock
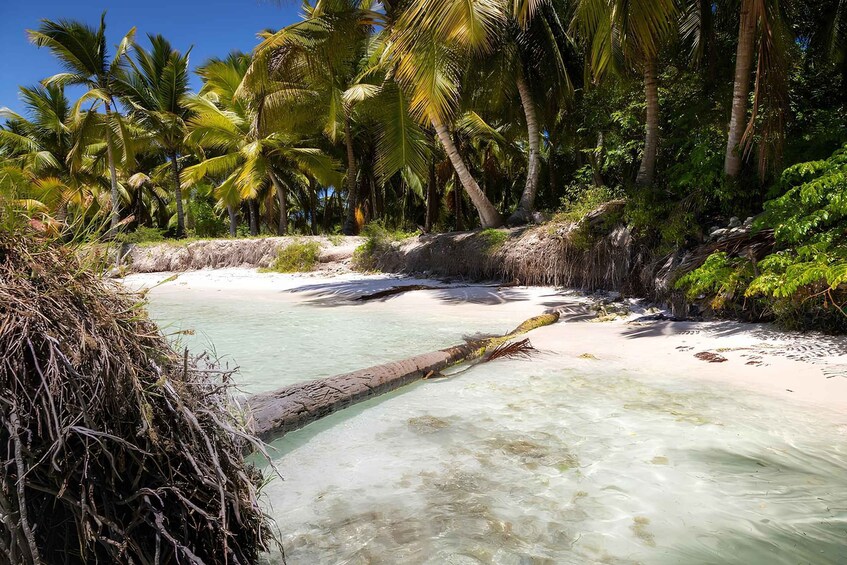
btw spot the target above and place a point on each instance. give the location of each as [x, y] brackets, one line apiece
[710, 357]
[734, 222]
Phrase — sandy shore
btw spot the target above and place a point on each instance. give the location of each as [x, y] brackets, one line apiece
[805, 368]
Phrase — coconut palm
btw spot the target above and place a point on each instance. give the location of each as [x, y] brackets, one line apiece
[155, 91]
[539, 40]
[631, 31]
[83, 51]
[249, 154]
[40, 145]
[761, 32]
[429, 42]
[308, 70]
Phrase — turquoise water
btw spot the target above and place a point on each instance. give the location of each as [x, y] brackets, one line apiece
[545, 461]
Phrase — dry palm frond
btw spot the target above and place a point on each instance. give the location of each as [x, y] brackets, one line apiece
[114, 448]
[511, 350]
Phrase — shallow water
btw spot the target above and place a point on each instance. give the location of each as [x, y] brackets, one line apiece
[277, 339]
[530, 462]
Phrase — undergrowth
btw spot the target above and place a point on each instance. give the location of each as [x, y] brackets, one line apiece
[296, 257]
[803, 282]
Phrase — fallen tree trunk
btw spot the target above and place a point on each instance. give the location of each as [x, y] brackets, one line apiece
[277, 412]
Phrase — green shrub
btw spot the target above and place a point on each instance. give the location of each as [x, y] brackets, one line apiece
[804, 281]
[296, 257]
[205, 220]
[493, 238]
[379, 240]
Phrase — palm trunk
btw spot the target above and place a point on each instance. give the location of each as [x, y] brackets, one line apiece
[313, 206]
[233, 220]
[651, 137]
[526, 206]
[253, 207]
[431, 197]
[350, 227]
[457, 203]
[281, 195]
[741, 89]
[180, 212]
[113, 175]
[488, 214]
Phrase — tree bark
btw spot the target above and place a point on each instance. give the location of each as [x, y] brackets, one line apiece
[488, 214]
[651, 129]
[526, 206]
[180, 212]
[115, 216]
[313, 206]
[233, 221]
[431, 198]
[253, 206]
[741, 88]
[350, 227]
[282, 197]
[292, 407]
[457, 204]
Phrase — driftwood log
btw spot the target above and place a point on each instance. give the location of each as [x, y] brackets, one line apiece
[277, 412]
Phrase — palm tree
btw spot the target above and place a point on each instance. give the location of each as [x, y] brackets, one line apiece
[428, 43]
[540, 41]
[82, 50]
[310, 69]
[250, 154]
[40, 147]
[155, 93]
[631, 30]
[760, 24]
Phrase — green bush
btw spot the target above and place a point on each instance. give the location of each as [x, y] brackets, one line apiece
[379, 240]
[493, 238]
[205, 220]
[804, 281]
[296, 257]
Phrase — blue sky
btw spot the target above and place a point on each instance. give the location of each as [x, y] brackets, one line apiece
[213, 27]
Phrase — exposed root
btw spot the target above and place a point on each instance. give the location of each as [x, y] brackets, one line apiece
[114, 448]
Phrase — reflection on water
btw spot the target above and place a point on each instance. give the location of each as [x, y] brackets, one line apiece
[527, 462]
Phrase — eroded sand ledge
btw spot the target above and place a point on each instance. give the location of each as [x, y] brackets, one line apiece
[809, 368]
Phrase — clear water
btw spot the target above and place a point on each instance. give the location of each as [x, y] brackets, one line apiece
[528, 462]
[281, 338]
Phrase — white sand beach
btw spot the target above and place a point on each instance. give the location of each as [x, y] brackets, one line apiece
[809, 368]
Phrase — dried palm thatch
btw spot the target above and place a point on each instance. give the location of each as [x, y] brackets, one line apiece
[113, 447]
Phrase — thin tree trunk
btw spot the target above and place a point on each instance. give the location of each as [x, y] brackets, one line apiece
[488, 214]
[281, 195]
[253, 206]
[313, 206]
[327, 204]
[457, 203]
[350, 227]
[233, 220]
[431, 197]
[651, 136]
[741, 89]
[180, 212]
[526, 206]
[113, 175]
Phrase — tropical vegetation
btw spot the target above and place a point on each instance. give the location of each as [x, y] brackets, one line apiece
[440, 115]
